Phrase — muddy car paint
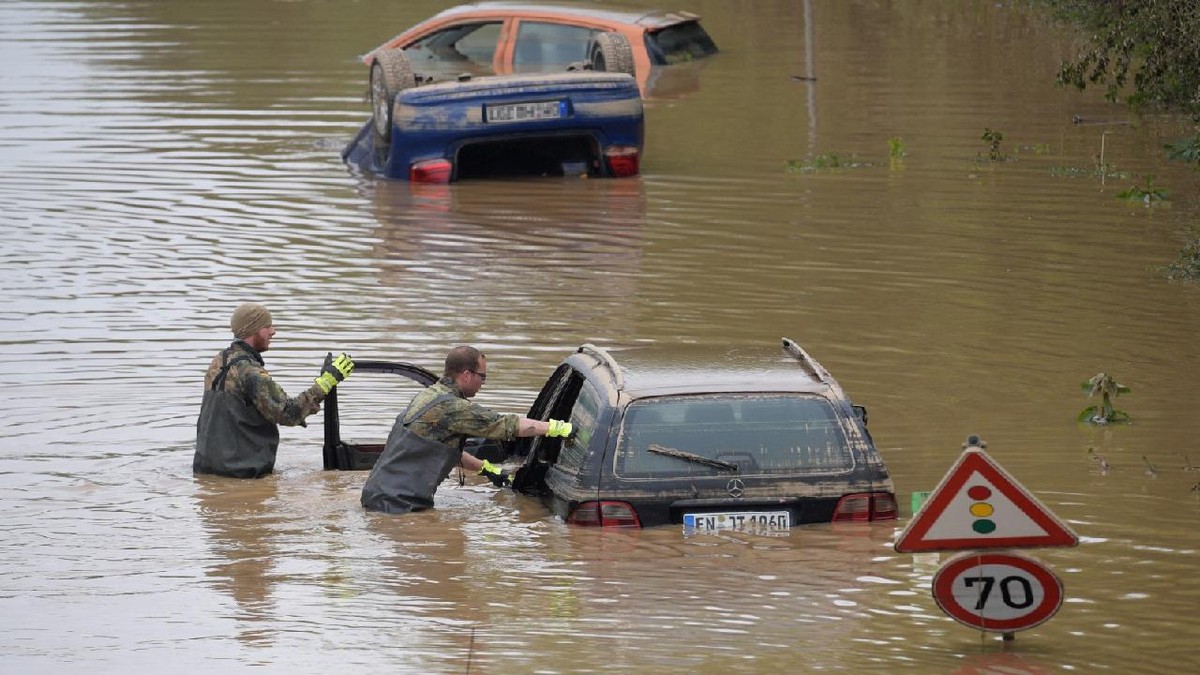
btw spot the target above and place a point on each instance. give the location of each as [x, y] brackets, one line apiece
[443, 121]
[641, 27]
[597, 392]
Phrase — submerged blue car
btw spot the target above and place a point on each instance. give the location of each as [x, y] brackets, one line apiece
[576, 123]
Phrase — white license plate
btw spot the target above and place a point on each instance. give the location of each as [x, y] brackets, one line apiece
[520, 112]
[749, 520]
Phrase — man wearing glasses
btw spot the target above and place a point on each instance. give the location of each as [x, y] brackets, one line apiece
[427, 438]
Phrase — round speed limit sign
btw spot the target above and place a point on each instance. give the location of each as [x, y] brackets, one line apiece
[998, 592]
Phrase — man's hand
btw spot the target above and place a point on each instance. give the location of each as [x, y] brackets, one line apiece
[334, 370]
[559, 429]
[498, 477]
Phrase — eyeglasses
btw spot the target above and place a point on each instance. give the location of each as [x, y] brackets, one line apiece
[482, 376]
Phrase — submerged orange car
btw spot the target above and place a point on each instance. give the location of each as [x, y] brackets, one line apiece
[500, 38]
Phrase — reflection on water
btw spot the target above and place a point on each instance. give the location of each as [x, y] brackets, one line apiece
[162, 161]
[239, 521]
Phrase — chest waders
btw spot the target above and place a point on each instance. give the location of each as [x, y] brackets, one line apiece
[410, 468]
[233, 438]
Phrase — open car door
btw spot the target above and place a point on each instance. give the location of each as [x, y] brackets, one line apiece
[344, 455]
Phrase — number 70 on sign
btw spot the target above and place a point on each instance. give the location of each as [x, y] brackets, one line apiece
[1016, 600]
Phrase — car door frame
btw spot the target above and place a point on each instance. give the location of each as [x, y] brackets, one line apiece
[338, 455]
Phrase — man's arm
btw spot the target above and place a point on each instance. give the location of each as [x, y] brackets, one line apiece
[273, 403]
[527, 427]
[471, 463]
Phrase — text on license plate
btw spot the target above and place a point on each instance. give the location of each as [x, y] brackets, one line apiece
[750, 520]
[519, 112]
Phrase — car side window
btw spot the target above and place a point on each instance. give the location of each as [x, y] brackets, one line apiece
[549, 47]
[583, 421]
[542, 406]
[558, 400]
[466, 47]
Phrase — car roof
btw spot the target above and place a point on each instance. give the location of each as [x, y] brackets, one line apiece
[650, 19]
[671, 369]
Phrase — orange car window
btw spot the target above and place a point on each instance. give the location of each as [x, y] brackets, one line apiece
[461, 48]
[543, 47]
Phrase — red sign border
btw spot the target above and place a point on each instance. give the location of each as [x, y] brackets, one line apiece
[971, 461]
[943, 584]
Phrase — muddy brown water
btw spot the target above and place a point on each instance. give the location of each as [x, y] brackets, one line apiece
[161, 161]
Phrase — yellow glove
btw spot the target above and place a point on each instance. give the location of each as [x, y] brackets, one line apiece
[498, 477]
[334, 370]
[559, 428]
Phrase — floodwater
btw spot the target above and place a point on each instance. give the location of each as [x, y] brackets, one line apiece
[161, 161]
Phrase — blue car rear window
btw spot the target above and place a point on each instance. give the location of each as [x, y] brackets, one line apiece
[788, 434]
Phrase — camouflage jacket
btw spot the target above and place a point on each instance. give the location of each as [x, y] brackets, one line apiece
[249, 379]
[458, 418]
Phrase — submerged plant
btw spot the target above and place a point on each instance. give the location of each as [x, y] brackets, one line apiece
[1187, 266]
[824, 162]
[1105, 413]
[1101, 172]
[1186, 150]
[1147, 194]
[993, 139]
[896, 148]
[1101, 168]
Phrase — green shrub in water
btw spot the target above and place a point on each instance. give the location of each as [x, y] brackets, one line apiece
[1186, 150]
[1187, 266]
[993, 139]
[1147, 194]
[824, 163]
[1104, 413]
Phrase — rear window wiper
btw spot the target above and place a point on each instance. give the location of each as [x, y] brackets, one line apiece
[687, 456]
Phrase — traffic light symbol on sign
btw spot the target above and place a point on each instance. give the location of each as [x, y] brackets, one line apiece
[978, 505]
[981, 509]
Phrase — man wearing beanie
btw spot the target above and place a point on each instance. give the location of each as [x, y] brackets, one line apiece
[238, 430]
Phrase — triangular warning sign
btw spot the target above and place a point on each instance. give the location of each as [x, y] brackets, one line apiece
[976, 506]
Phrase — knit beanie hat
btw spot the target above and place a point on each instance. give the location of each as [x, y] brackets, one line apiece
[249, 318]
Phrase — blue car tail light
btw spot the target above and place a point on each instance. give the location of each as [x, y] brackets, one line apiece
[431, 171]
[622, 160]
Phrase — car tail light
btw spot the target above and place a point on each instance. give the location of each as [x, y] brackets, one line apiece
[883, 506]
[430, 171]
[622, 160]
[604, 514]
[864, 507]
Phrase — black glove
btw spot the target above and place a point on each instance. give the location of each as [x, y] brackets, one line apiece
[498, 477]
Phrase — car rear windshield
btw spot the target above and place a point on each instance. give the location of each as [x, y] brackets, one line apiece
[710, 435]
[680, 43]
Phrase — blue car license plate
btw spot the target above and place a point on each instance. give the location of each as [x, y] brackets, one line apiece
[521, 112]
[748, 520]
